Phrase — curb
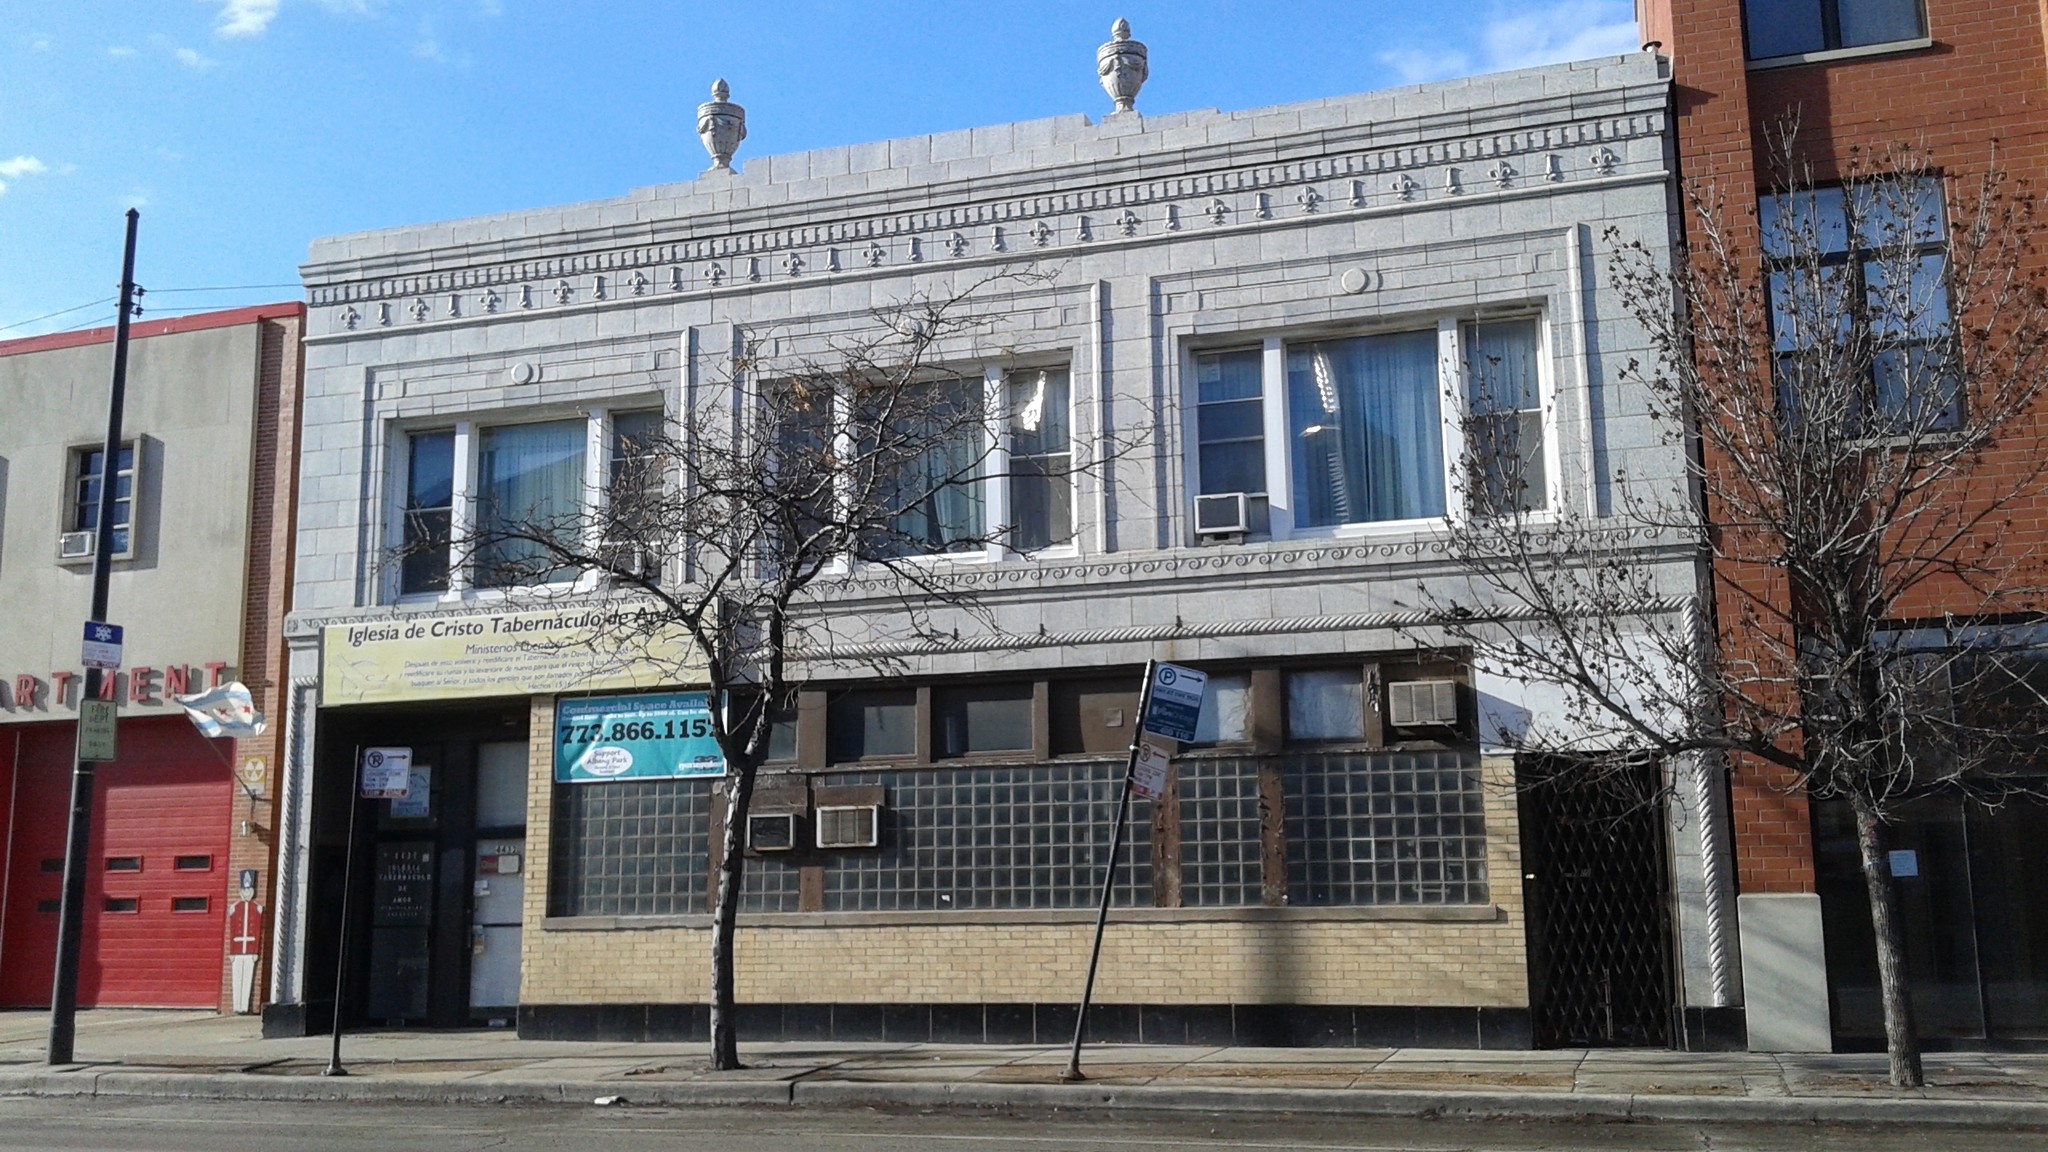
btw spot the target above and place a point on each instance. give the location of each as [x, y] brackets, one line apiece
[1471, 1105]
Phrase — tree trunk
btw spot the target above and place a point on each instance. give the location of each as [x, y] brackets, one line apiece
[1901, 1036]
[732, 861]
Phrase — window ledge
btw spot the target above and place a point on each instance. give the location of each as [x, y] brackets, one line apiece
[1410, 913]
[1832, 55]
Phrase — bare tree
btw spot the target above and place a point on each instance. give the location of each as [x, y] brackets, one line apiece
[740, 522]
[1858, 422]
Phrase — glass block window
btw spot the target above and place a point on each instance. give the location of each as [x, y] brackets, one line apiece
[1219, 832]
[632, 848]
[1002, 836]
[1386, 828]
[768, 885]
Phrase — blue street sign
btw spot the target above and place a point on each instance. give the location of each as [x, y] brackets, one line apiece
[1176, 705]
[102, 645]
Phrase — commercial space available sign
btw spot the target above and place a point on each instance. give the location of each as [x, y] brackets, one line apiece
[663, 736]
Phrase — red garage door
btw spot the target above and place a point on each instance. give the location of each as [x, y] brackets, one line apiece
[155, 887]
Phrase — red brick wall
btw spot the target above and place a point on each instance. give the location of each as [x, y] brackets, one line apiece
[1985, 79]
[273, 496]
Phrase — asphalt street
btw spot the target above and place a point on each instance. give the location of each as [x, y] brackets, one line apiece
[87, 1125]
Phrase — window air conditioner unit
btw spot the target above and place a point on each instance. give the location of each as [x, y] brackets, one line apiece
[1220, 515]
[771, 832]
[1422, 703]
[76, 545]
[849, 825]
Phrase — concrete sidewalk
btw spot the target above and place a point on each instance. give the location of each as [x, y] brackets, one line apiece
[169, 1054]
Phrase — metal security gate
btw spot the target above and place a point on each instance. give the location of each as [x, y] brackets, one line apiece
[1599, 903]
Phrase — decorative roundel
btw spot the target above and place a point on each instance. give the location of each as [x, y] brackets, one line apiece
[1355, 280]
[523, 372]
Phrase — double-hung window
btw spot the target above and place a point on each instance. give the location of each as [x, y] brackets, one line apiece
[1859, 306]
[1041, 454]
[1779, 28]
[633, 492]
[1230, 430]
[1504, 416]
[82, 515]
[429, 511]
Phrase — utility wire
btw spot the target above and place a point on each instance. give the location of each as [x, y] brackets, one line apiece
[54, 315]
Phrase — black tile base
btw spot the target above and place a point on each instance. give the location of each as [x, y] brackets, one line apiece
[1716, 1030]
[281, 1021]
[1258, 1025]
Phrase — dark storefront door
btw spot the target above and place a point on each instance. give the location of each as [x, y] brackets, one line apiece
[1598, 898]
[1973, 891]
[414, 941]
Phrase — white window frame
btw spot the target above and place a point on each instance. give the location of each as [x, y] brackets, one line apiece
[1451, 379]
[995, 472]
[467, 437]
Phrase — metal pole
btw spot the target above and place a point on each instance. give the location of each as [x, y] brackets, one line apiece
[1116, 843]
[348, 873]
[71, 909]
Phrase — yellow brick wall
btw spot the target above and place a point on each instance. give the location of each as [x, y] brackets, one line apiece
[1393, 962]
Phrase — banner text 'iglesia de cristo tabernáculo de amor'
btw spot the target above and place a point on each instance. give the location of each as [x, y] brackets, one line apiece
[501, 654]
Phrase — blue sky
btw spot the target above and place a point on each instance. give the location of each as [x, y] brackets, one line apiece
[244, 129]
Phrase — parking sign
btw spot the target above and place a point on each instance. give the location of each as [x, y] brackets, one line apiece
[1176, 705]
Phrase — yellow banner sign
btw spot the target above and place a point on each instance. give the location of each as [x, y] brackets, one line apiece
[506, 654]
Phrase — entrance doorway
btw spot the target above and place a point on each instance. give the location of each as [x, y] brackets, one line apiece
[1599, 904]
[1973, 892]
[437, 890]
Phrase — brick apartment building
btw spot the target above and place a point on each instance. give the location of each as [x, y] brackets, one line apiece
[201, 579]
[1964, 80]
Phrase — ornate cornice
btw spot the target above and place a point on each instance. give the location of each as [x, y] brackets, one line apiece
[1045, 216]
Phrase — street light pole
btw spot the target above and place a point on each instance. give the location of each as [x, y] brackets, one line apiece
[71, 910]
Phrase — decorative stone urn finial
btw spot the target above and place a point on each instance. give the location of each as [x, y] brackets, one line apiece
[721, 124]
[1122, 65]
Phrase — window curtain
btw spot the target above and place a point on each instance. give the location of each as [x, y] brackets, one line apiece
[940, 490]
[529, 479]
[1368, 439]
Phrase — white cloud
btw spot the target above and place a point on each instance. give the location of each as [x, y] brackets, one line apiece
[353, 7]
[18, 167]
[240, 18]
[1566, 30]
[193, 60]
[120, 51]
[40, 44]
[429, 50]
